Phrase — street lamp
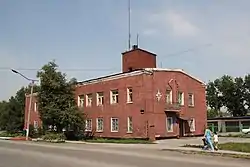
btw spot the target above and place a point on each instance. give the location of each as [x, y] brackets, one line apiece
[31, 96]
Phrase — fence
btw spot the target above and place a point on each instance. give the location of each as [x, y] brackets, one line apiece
[228, 126]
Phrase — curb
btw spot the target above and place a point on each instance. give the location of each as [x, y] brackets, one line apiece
[200, 152]
[5, 138]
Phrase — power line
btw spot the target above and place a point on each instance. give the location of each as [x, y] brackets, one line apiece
[62, 69]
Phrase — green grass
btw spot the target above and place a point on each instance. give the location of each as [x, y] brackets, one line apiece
[236, 135]
[240, 147]
[6, 134]
[120, 141]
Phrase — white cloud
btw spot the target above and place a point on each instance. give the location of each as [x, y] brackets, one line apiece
[180, 25]
[149, 32]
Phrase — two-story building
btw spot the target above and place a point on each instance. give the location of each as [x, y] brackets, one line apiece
[142, 101]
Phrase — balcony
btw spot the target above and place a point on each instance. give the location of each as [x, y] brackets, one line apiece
[172, 107]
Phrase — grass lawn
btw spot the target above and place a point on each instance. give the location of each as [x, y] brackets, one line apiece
[120, 141]
[241, 147]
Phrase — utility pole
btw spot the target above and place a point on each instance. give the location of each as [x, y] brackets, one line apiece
[30, 102]
[129, 26]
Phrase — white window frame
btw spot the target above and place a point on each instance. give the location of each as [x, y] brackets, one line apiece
[182, 98]
[129, 95]
[89, 100]
[111, 121]
[192, 125]
[169, 96]
[88, 129]
[99, 98]
[97, 125]
[35, 124]
[172, 124]
[35, 107]
[192, 96]
[130, 124]
[81, 99]
[114, 96]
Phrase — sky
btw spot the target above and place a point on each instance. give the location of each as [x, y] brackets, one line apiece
[86, 38]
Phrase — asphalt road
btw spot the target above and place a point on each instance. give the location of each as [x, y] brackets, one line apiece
[22, 154]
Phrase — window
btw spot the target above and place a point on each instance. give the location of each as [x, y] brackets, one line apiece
[170, 124]
[100, 98]
[89, 100]
[130, 125]
[129, 95]
[35, 106]
[99, 124]
[169, 96]
[114, 96]
[190, 99]
[114, 124]
[35, 124]
[192, 125]
[80, 100]
[88, 126]
[181, 98]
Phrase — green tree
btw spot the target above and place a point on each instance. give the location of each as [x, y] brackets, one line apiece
[12, 111]
[56, 102]
[213, 96]
[212, 113]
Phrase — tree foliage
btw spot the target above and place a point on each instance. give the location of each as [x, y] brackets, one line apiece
[229, 92]
[56, 102]
[12, 111]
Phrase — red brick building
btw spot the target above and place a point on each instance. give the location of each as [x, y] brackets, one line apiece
[142, 101]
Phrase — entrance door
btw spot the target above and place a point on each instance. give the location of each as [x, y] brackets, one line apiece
[181, 128]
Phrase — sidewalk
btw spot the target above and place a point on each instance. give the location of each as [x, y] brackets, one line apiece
[161, 147]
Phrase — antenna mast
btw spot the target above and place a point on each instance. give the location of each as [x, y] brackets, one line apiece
[129, 30]
[137, 40]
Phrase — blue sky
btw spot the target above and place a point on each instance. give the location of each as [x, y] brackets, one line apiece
[82, 34]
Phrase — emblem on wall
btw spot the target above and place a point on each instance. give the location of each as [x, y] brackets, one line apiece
[158, 95]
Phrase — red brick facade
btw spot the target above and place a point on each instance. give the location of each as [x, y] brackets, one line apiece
[148, 115]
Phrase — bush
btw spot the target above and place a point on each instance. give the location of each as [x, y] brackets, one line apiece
[54, 137]
[6, 134]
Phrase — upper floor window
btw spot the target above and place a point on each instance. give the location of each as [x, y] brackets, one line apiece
[181, 98]
[114, 96]
[190, 99]
[80, 101]
[89, 98]
[129, 95]
[35, 106]
[100, 98]
[169, 96]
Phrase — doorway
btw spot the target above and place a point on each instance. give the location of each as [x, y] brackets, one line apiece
[181, 128]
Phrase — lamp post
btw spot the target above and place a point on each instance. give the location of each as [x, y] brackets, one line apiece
[31, 97]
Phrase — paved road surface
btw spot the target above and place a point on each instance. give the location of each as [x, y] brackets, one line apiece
[22, 154]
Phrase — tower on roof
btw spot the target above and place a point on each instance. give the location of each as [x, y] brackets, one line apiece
[137, 58]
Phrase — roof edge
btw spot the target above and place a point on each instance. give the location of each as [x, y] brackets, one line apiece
[176, 70]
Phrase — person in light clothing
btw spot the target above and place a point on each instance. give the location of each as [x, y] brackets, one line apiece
[216, 141]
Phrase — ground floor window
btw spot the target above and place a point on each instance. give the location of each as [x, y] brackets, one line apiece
[170, 124]
[99, 124]
[192, 125]
[88, 125]
[114, 124]
[130, 125]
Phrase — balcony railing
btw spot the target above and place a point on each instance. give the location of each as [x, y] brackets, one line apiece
[174, 106]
